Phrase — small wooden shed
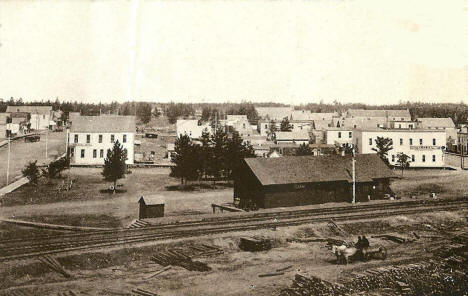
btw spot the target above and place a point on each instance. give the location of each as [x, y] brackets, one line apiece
[151, 206]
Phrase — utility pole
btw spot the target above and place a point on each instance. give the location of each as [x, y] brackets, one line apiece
[47, 133]
[8, 161]
[354, 176]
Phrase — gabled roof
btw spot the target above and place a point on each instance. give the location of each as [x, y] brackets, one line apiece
[436, 122]
[150, 200]
[103, 124]
[43, 110]
[322, 124]
[312, 169]
[363, 123]
[378, 113]
[285, 136]
[274, 113]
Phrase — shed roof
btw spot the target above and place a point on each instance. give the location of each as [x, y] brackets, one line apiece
[285, 136]
[436, 122]
[103, 124]
[151, 200]
[378, 113]
[313, 169]
[30, 109]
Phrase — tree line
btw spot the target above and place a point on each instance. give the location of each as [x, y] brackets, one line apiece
[216, 156]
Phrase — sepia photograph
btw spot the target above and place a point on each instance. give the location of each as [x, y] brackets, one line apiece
[233, 148]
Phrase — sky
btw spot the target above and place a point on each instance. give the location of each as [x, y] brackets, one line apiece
[293, 52]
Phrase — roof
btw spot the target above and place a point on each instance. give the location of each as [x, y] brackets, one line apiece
[436, 122]
[151, 200]
[274, 113]
[373, 122]
[378, 113]
[30, 109]
[322, 124]
[103, 124]
[313, 169]
[300, 135]
[236, 117]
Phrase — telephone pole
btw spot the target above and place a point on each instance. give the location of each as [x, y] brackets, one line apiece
[8, 161]
[354, 176]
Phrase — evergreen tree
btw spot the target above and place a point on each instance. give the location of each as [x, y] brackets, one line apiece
[219, 142]
[272, 130]
[185, 160]
[383, 146]
[304, 149]
[31, 172]
[403, 161]
[285, 125]
[144, 112]
[236, 151]
[114, 164]
[206, 153]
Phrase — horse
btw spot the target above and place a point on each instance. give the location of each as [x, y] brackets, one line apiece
[343, 252]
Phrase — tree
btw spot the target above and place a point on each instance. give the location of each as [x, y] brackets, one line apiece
[383, 146]
[206, 114]
[57, 166]
[144, 112]
[185, 160]
[403, 161]
[31, 172]
[114, 164]
[206, 153]
[285, 125]
[304, 149]
[219, 142]
[272, 130]
[236, 151]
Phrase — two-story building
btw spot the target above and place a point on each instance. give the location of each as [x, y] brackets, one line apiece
[40, 116]
[191, 128]
[424, 147]
[440, 124]
[338, 136]
[90, 137]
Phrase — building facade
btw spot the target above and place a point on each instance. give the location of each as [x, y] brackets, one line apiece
[191, 128]
[424, 147]
[40, 116]
[338, 137]
[90, 137]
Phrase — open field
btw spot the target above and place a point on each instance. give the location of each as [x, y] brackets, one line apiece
[24, 152]
[236, 272]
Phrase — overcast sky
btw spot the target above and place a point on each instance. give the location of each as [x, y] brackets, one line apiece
[284, 51]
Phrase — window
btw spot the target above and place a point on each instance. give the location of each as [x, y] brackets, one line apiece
[76, 139]
[339, 135]
[411, 141]
[350, 135]
[401, 141]
[243, 125]
[100, 138]
[88, 139]
[43, 116]
[112, 138]
[370, 141]
[72, 152]
[399, 125]
[101, 153]
[433, 158]
[124, 139]
[410, 126]
[434, 142]
[424, 158]
[420, 142]
[94, 153]
[402, 119]
[393, 157]
[413, 158]
[82, 153]
[266, 126]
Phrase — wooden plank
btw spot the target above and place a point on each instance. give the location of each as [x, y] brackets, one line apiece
[159, 272]
[270, 274]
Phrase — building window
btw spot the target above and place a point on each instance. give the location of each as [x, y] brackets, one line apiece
[43, 116]
[100, 138]
[339, 135]
[401, 141]
[112, 138]
[434, 142]
[88, 139]
[124, 139]
[399, 125]
[413, 158]
[420, 142]
[402, 119]
[72, 152]
[393, 157]
[82, 153]
[243, 125]
[101, 153]
[410, 126]
[76, 139]
[370, 141]
[424, 158]
[266, 126]
[350, 135]
[433, 158]
[94, 153]
[411, 141]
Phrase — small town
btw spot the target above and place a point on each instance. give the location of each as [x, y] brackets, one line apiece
[152, 195]
[233, 148]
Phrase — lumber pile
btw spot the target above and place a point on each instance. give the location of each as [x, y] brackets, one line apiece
[139, 224]
[253, 244]
[337, 230]
[141, 292]
[54, 265]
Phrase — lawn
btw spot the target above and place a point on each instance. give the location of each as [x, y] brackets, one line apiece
[445, 183]
[87, 205]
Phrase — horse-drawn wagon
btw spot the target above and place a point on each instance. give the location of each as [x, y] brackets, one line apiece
[345, 252]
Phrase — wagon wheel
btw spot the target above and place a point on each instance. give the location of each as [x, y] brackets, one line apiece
[383, 253]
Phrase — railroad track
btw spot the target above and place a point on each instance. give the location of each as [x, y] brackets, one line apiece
[21, 248]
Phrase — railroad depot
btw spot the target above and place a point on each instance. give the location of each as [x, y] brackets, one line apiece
[304, 180]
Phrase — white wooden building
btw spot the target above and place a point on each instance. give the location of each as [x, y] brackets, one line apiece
[90, 137]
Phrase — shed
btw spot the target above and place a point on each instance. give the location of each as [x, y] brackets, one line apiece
[151, 206]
